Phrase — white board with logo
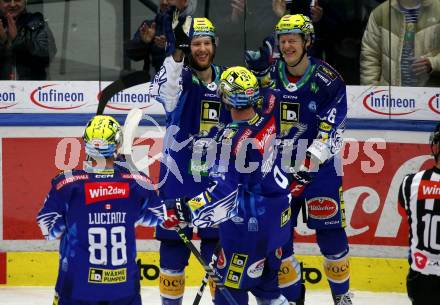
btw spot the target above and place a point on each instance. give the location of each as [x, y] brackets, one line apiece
[364, 102]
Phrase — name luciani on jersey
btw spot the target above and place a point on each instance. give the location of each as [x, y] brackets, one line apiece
[107, 218]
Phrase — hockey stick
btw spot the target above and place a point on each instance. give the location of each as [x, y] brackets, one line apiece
[209, 270]
[201, 289]
[206, 277]
[131, 123]
[126, 81]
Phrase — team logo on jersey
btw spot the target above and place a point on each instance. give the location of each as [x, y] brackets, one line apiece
[420, 260]
[107, 276]
[322, 207]
[289, 113]
[209, 115]
[99, 191]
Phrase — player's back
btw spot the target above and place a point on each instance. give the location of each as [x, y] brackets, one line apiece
[97, 248]
[263, 205]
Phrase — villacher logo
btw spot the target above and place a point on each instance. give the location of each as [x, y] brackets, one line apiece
[7, 99]
[50, 98]
[434, 103]
[380, 102]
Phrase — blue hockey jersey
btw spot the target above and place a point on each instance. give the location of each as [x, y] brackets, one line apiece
[311, 113]
[249, 198]
[192, 109]
[95, 214]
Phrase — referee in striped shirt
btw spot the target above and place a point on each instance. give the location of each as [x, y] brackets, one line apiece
[419, 195]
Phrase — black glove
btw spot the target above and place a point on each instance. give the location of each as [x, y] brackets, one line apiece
[259, 62]
[298, 182]
[181, 30]
[177, 212]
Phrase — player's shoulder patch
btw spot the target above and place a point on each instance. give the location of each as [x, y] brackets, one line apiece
[326, 74]
[70, 176]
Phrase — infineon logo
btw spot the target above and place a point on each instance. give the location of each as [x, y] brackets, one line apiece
[7, 99]
[51, 98]
[434, 103]
[381, 103]
[99, 191]
[124, 100]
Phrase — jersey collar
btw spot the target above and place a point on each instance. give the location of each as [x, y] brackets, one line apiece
[301, 82]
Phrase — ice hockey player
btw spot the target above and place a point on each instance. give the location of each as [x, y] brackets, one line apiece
[419, 195]
[188, 93]
[94, 211]
[312, 111]
[250, 197]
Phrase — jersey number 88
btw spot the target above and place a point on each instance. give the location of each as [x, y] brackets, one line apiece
[98, 246]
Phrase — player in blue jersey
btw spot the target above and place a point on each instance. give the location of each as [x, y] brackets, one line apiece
[94, 211]
[186, 86]
[312, 110]
[249, 197]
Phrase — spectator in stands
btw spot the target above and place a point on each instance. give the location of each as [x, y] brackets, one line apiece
[148, 43]
[412, 57]
[27, 44]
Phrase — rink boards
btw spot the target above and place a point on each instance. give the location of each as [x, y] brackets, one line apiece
[372, 274]
[374, 164]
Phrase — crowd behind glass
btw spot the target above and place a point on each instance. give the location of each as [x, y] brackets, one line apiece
[370, 42]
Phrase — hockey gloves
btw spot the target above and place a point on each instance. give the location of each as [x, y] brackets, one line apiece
[181, 30]
[298, 182]
[259, 62]
[176, 212]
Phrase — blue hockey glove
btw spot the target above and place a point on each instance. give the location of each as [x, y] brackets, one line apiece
[259, 62]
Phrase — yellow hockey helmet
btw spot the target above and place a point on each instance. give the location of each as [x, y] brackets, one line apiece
[298, 23]
[202, 27]
[102, 136]
[239, 87]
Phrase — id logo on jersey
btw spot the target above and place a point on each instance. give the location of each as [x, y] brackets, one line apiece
[209, 115]
[289, 113]
[107, 276]
[100, 191]
[235, 271]
[285, 216]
